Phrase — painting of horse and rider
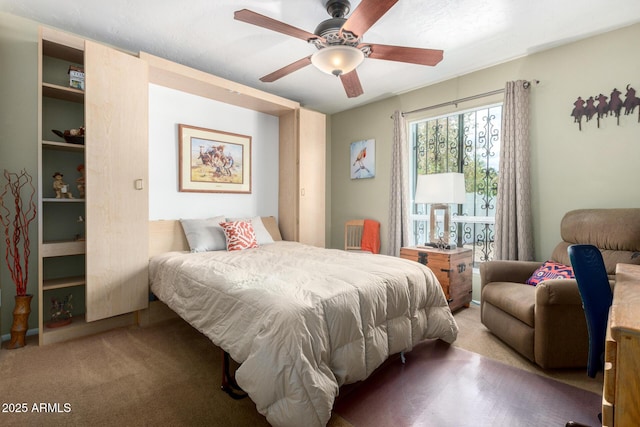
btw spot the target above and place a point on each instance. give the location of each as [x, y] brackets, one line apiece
[214, 161]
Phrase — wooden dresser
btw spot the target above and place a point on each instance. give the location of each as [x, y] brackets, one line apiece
[452, 267]
[621, 394]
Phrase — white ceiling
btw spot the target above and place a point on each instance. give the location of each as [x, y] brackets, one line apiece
[202, 34]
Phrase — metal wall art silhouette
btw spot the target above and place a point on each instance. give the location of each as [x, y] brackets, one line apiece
[600, 108]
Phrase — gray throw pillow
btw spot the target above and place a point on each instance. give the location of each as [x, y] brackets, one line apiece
[205, 234]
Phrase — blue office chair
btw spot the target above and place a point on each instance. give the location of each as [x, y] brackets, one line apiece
[593, 284]
[595, 291]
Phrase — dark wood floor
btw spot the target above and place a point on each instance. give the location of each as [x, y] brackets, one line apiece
[442, 386]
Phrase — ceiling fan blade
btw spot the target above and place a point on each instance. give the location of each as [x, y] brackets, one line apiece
[412, 55]
[254, 18]
[365, 15]
[351, 83]
[286, 70]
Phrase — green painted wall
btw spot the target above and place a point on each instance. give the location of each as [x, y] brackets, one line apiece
[18, 138]
[571, 169]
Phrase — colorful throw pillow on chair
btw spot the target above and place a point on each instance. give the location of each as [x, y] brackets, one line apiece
[550, 270]
[240, 235]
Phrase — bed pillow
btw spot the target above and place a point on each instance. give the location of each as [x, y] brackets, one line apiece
[204, 234]
[262, 234]
[240, 235]
[271, 224]
[550, 270]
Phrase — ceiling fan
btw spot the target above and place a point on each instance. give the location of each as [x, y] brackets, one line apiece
[339, 42]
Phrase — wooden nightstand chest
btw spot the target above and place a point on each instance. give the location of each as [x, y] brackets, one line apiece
[452, 267]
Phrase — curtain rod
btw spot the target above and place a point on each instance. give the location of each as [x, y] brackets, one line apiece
[526, 85]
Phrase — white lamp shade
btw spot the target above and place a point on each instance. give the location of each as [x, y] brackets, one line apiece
[440, 188]
[337, 60]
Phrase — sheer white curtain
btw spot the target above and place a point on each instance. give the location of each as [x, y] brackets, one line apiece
[398, 194]
[513, 229]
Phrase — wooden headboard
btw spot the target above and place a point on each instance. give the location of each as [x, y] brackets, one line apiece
[166, 236]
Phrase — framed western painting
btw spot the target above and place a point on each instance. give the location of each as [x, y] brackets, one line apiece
[363, 159]
[212, 161]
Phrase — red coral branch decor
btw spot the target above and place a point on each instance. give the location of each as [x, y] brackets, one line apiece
[16, 225]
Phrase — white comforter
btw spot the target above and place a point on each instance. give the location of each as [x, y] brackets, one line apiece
[303, 320]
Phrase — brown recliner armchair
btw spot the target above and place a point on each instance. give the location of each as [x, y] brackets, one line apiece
[546, 323]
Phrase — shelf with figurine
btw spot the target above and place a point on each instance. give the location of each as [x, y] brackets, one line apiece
[60, 312]
[62, 191]
[60, 187]
[70, 85]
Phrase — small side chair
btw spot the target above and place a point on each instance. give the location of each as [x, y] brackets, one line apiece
[353, 234]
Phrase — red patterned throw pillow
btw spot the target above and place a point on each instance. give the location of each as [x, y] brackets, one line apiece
[240, 235]
[550, 270]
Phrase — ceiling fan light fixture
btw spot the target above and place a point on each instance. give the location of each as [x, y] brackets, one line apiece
[337, 60]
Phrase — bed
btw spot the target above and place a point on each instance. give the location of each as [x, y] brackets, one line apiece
[301, 321]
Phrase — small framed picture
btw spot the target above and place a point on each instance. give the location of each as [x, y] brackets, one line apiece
[363, 159]
[213, 161]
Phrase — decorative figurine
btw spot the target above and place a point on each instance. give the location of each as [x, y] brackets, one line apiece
[60, 312]
[60, 187]
[80, 181]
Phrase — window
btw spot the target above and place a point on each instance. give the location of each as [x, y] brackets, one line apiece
[466, 142]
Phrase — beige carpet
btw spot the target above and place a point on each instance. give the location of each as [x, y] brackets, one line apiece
[167, 374]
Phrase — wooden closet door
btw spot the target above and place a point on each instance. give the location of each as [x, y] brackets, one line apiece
[288, 182]
[116, 165]
[312, 173]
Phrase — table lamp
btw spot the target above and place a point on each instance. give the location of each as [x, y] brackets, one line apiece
[440, 190]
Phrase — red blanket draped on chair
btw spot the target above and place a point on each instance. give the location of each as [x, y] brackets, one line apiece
[371, 236]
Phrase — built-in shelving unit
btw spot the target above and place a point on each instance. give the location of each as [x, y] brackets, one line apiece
[106, 274]
[61, 235]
